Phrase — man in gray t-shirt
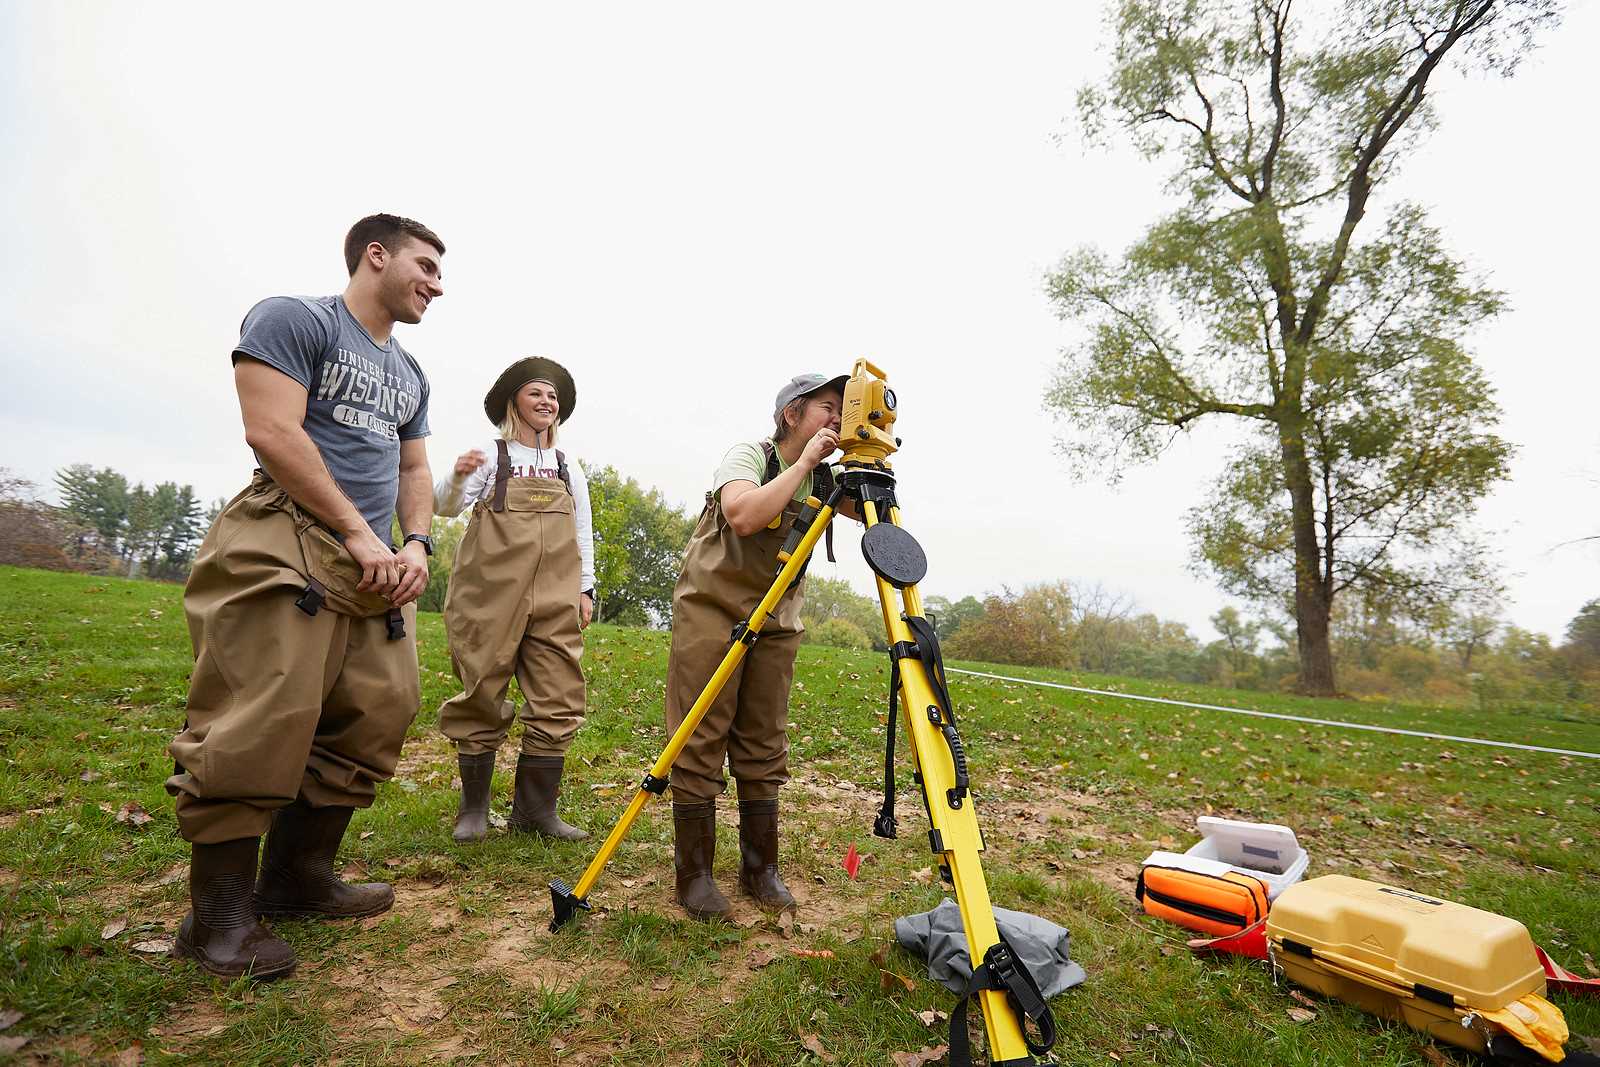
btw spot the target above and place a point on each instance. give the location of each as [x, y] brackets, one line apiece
[300, 610]
[363, 399]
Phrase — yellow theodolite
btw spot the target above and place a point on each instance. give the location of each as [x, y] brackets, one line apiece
[1006, 992]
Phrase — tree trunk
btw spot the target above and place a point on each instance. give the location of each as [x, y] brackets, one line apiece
[1312, 600]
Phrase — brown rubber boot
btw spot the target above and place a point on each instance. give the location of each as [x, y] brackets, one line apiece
[694, 841]
[758, 854]
[221, 932]
[297, 875]
[472, 817]
[533, 807]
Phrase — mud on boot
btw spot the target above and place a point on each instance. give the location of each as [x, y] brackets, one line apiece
[472, 817]
[222, 932]
[694, 843]
[758, 855]
[297, 872]
[533, 808]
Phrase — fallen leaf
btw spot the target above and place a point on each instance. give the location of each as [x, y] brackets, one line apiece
[813, 1045]
[88, 776]
[367, 833]
[813, 953]
[888, 981]
[1302, 998]
[759, 959]
[923, 876]
[133, 814]
[925, 1055]
[9, 1045]
[1301, 1015]
[932, 1016]
[156, 947]
[392, 861]
[8, 1019]
[880, 954]
[131, 1056]
[661, 984]
[113, 928]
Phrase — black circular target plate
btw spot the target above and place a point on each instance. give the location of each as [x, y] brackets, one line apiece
[894, 555]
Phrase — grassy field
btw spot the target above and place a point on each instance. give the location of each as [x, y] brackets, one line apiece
[1073, 791]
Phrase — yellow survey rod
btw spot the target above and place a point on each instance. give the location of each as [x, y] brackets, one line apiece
[956, 829]
[566, 901]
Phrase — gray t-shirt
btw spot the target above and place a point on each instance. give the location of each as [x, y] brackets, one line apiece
[362, 399]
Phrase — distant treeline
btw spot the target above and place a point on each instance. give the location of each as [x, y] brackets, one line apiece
[1477, 660]
[1466, 657]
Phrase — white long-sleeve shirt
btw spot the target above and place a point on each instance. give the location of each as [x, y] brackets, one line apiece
[453, 494]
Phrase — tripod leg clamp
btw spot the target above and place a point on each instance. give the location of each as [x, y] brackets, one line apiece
[652, 784]
[743, 635]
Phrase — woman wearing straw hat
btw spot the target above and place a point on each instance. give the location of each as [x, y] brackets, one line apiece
[520, 595]
[730, 563]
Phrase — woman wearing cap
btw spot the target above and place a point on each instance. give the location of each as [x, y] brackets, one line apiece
[520, 595]
[728, 567]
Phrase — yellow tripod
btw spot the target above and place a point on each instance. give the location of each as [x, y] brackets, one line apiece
[1005, 990]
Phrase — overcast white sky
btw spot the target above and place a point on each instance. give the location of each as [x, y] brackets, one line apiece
[687, 204]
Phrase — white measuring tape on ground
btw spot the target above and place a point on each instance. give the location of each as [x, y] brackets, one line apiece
[1285, 718]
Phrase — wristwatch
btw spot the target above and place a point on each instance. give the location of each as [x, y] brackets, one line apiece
[422, 539]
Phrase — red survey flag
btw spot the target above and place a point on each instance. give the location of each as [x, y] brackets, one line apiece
[852, 861]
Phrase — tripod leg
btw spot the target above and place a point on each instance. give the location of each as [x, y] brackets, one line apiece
[568, 899]
[955, 837]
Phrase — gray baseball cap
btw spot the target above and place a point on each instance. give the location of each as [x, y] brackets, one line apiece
[804, 385]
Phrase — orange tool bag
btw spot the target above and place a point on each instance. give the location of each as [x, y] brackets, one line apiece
[1201, 894]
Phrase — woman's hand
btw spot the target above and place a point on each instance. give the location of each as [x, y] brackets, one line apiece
[822, 445]
[468, 462]
[585, 611]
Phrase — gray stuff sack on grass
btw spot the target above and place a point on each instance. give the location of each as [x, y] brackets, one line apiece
[938, 937]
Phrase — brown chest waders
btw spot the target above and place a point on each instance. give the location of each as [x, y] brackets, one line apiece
[1018, 1022]
[512, 610]
[302, 685]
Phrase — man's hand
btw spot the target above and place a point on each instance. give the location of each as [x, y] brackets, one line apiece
[414, 578]
[585, 611]
[379, 573]
[468, 462]
[822, 445]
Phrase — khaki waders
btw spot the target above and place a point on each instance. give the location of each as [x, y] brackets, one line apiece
[301, 694]
[724, 577]
[282, 703]
[512, 610]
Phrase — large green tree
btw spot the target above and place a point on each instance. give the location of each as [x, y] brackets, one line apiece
[639, 542]
[1277, 295]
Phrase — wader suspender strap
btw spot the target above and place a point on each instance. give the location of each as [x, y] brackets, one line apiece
[561, 470]
[821, 488]
[502, 475]
[1003, 971]
[926, 650]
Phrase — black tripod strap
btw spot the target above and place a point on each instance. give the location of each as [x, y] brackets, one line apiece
[884, 826]
[1003, 971]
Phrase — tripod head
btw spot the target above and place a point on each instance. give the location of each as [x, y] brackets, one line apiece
[868, 418]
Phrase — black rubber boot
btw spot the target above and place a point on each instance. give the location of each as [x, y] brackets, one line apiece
[297, 875]
[694, 842]
[222, 932]
[533, 807]
[472, 817]
[758, 854]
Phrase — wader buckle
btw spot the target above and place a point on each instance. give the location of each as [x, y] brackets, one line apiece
[311, 600]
